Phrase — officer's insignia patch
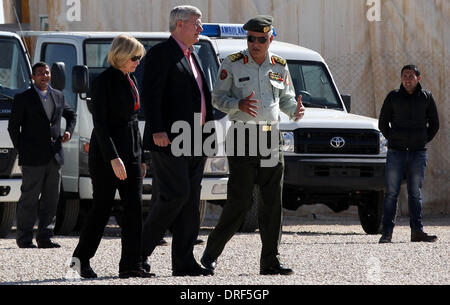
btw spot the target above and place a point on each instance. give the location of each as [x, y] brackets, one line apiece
[281, 61]
[276, 76]
[223, 74]
[236, 56]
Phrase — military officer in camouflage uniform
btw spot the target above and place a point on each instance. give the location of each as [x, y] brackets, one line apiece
[253, 86]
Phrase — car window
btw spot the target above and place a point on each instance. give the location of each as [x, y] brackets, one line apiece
[14, 73]
[66, 53]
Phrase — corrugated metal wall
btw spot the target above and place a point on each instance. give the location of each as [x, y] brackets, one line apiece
[364, 56]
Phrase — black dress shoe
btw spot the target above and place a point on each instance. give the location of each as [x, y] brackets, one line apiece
[135, 273]
[386, 238]
[276, 270]
[145, 264]
[208, 262]
[87, 272]
[48, 244]
[198, 271]
[199, 242]
[162, 242]
[27, 246]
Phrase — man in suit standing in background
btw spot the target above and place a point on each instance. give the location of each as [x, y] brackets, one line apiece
[34, 128]
[175, 89]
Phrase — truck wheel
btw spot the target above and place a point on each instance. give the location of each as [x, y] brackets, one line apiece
[250, 223]
[7, 216]
[371, 212]
[203, 204]
[66, 214]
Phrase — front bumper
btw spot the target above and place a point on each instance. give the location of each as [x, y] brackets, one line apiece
[334, 174]
[213, 188]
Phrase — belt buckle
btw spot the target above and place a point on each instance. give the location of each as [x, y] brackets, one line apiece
[266, 128]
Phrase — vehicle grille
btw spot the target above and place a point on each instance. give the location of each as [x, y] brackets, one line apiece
[318, 141]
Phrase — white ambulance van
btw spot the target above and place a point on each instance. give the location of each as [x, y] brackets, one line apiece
[83, 56]
[332, 157]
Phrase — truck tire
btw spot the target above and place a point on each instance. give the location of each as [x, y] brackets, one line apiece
[250, 223]
[66, 214]
[371, 212]
[7, 216]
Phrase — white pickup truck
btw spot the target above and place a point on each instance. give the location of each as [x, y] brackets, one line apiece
[332, 157]
[15, 77]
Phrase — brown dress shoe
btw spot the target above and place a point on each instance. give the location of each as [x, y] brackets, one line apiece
[421, 236]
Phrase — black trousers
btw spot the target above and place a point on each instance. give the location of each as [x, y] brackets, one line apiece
[178, 180]
[105, 184]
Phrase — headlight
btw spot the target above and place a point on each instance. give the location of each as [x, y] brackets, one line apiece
[216, 166]
[383, 144]
[16, 170]
[288, 141]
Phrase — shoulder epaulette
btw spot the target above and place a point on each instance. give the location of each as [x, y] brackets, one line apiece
[236, 56]
[279, 60]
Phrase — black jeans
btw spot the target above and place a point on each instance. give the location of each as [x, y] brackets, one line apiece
[178, 182]
[105, 184]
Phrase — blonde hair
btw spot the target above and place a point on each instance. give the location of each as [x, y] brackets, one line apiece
[123, 48]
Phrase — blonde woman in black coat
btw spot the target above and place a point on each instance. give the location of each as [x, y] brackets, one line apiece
[116, 160]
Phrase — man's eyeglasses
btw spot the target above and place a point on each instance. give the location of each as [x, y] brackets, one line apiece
[136, 58]
[253, 39]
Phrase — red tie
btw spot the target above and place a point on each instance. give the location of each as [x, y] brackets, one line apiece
[135, 93]
[198, 79]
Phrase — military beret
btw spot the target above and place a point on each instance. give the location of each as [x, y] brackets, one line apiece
[260, 23]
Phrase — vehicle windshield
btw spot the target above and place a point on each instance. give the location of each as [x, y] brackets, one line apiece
[97, 59]
[313, 82]
[14, 73]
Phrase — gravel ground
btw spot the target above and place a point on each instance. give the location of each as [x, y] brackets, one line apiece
[321, 250]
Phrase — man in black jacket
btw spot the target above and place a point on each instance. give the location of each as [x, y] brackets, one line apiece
[174, 90]
[408, 120]
[34, 128]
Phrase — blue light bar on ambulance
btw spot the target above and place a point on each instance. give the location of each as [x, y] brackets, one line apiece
[225, 30]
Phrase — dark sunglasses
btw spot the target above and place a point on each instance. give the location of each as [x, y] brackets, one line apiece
[253, 39]
[136, 58]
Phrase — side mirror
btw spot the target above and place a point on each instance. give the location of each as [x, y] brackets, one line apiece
[59, 76]
[80, 84]
[80, 79]
[347, 99]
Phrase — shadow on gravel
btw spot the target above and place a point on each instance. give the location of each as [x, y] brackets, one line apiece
[308, 233]
[60, 280]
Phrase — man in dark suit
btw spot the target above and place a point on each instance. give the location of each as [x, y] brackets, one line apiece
[34, 128]
[175, 89]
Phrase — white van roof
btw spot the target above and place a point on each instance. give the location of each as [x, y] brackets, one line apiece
[103, 35]
[288, 51]
[9, 34]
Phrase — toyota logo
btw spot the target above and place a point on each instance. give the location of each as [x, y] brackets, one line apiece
[337, 142]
